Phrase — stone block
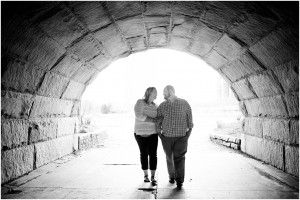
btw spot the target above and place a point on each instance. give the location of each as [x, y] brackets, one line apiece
[243, 108]
[63, 27]
[16, 162]
[84, 73]
[272, 153]
[183, 26]
[279, 47]
[221, 14]
[204, 39]
[58, 85]
[254, 146]
[137, 43]
[76, 108]
[124, 9]
[14, 133]
[241, 67]
[74, 90]
[132, 26]
[42, 130]
[292, 160]
[190, 8]
[243, 142]
[53, 149]
[215, 60]
[66, 126]
[36, 47]
[50, 107]
[179, 43]
[20, 76]
[157, 24]
[265, 84]
[243, 90]
[159, 39]
[294, 132]
[68, 65]
[91, 14]
[157, 8]
[15, 105]
[288, 76]
[101, 61]
[112, 40]
[229, 48]
[292, 102]
[253, 126]
[254, 26]
[86, 48]
[276, 129]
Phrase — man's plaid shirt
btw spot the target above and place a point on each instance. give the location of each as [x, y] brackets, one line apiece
[176, 118]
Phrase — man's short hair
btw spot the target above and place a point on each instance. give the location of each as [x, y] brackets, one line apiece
[170, 88]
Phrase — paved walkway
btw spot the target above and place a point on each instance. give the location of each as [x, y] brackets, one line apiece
[113, 171]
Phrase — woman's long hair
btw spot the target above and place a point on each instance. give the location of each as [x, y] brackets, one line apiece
[148, 92]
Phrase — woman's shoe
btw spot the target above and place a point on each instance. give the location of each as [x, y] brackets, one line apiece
[153, 181]
[146, 179]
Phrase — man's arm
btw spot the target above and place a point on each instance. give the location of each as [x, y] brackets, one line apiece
[158, 120]
[189, 115]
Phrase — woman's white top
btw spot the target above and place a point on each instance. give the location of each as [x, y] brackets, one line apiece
[142, 110]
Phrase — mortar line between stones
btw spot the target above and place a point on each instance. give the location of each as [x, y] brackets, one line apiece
[146, 31]
[170, 27]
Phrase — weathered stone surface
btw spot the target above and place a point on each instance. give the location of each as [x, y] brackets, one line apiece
[253, 25]
[14, 133]
[204, 39]
[221, 14]
[288, 76]
[241, 67]
[292, 102]
[183, 26]
[157, 24]
[53, 149]
[294, 132]
[243, 142]
[91, 14]
[278, 47]
[215, 60]
[84, 73]
[101, 61]
[242, 89]
[267, 106]
[50, 107]
[276, 129]
[159, 39]
[63, 27]
[16, 162]
[137, 43]
[112, 40]
[16, 105]
[272, 153]
[57, 85]
[87, 48]
[68, 65]
[42, 130]
[20, 76]
[74, 90]
[265, 84]
[190, 8]
[124, 9]
[132, 27]
[66, 126]
[76, 109]
[253, 126]
[254, 146]
[229, 48]
[292, 160]
[243, 108]
[157, 8]
[179, 43]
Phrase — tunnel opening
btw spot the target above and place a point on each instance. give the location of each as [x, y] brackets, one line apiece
[50, 52]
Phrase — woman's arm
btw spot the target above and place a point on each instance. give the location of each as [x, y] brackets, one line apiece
[138, 110]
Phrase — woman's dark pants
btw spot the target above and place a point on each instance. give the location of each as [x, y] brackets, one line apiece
[148, 147]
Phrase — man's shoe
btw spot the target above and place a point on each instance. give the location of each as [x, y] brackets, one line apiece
[172, 180]
[179, 185]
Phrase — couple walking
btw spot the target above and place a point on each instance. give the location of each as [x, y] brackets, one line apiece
[172, 121]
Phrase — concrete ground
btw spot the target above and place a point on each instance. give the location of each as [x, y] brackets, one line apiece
[112, 171]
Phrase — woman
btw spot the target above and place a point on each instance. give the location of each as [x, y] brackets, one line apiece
[145, 134]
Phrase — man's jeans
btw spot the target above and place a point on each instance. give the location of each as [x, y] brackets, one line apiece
[175, 149]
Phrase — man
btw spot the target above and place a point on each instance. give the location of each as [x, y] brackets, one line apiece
[174, 130]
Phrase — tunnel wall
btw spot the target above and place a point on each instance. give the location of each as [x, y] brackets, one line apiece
[51, 51]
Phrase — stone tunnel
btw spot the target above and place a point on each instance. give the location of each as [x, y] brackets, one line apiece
[52, 51]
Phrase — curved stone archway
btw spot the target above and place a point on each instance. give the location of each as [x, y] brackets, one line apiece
[51, 51]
